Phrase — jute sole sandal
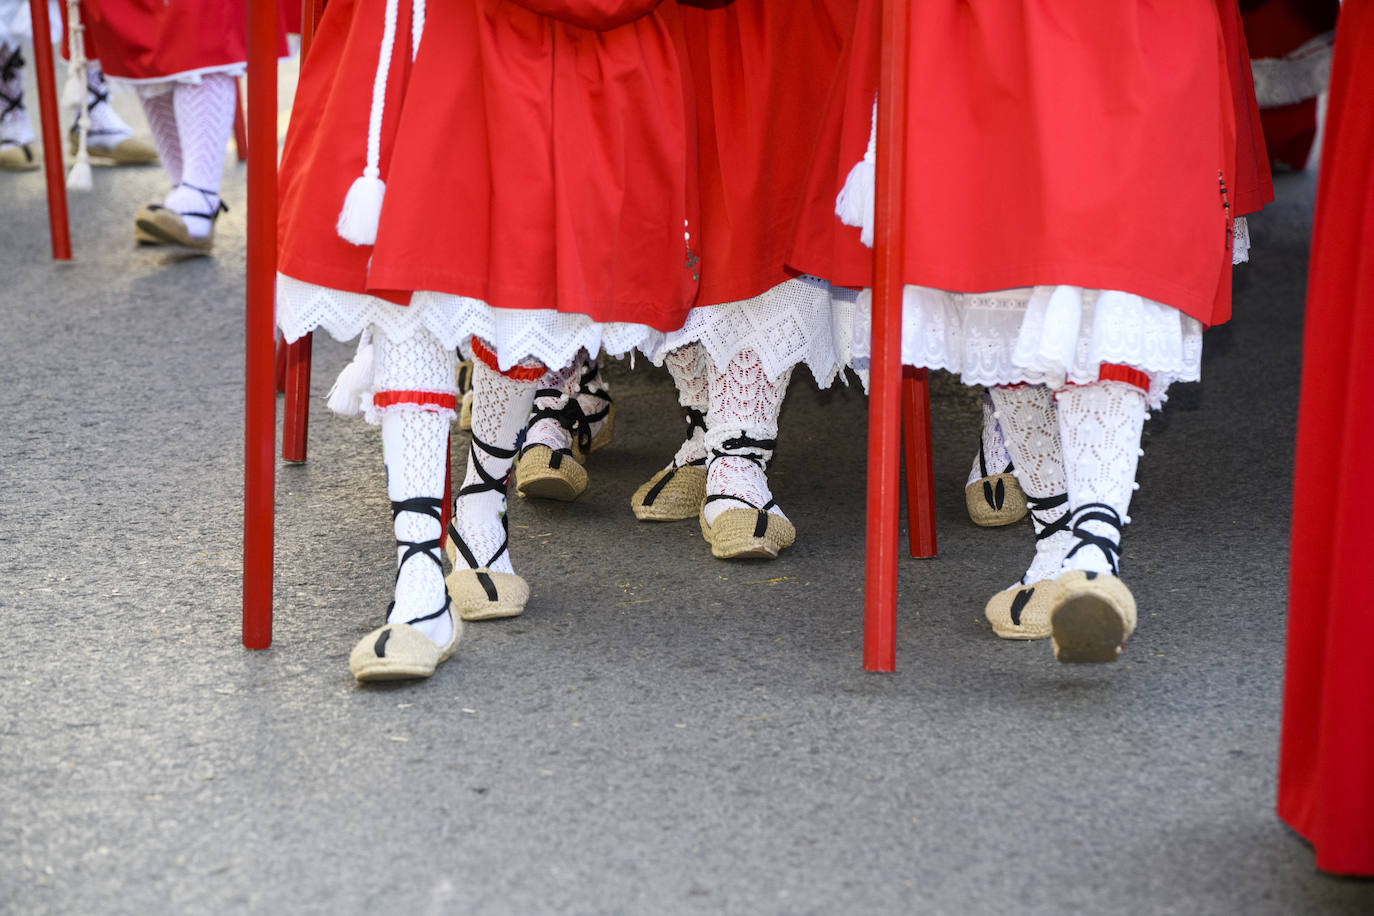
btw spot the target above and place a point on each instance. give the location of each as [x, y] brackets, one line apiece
[743, 534]
[161, 226]
[1023, 611]
[15, 157]
[671, 495]
[543, 473]
[482, 594]
[399, 652]
[128, 151]
[1093, 615]
[995, 500]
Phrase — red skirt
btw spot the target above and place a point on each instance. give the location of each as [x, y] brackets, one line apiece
[154, 40]
[1073, 143]
[760, 72]
[529, 163]
[1326, 758]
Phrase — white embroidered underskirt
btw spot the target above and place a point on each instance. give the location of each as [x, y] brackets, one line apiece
[1046, 335]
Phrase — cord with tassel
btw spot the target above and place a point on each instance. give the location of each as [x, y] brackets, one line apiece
[74, 93]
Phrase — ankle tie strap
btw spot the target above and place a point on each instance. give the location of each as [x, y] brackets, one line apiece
[432, 507]
[746, 447]
[1037, 505]
[1097, 512]
[9, 71]
[487, 483]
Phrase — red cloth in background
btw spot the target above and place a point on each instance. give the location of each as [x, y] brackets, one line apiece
[761, 72]
[156, 40]
[1326, 758]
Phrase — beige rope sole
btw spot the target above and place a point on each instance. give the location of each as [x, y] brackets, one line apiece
[14, 159]
[399, 652]
[739, 534]
[465, 412]
[600, 440]
[129, 151]
[165, 227]
[1093, 615]
[680, 498]
[482, 594]
[1023, 611]
[537, 478]
[986, 494]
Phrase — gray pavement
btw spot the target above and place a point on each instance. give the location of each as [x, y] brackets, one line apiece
[661, 732]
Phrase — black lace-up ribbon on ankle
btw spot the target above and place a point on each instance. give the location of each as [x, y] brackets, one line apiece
[569, 416]
[1097, 512]
[738, 447]
[488, 483]
[9, 71]
[591, 372]
[433, 507]
[1038, 504]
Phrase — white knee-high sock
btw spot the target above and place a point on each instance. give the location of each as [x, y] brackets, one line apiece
[1030, 429]
[414, 401]
[162, 120]
[741, 432]
[500, 407]
[205, 118]
[691, 369]
[1100, 426]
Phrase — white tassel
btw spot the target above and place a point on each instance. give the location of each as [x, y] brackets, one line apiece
[354, 382]
[362, 209]
[74, 89]
[79, 178]
[855, 202]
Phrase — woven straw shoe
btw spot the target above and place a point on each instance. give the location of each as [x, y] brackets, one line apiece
[543, 473]
[398, 652]
[126, 151]
[483, 594]
[1092, 616]
[743, 534]
[15, 157]
[671, 495]
[157, 225]
[995, 500]
[1023, 611]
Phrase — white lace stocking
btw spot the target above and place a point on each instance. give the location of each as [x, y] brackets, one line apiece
[992, 457]
[107, 127]
[691, 369]
[205, 118]
[415, 448]
[15, 127]
[741, 430]
[1030, 429]
[500, 406]
[1100, 425]
[554, 392]
[162, 120]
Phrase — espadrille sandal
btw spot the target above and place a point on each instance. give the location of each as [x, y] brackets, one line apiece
[478, 591]
[1023, 611]
[164, 226]
[399, 651]
[465, 392]
[18, 157]
[744, 534]
[127, 150]
[993, 497]
[1094, 612]
[671, 495]
[542, 473]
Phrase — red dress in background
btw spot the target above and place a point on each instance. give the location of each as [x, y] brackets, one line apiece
[1326, 759]
[156, 40]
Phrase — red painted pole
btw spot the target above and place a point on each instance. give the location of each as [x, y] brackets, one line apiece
[920, 469]
[260, 414]
[884, 386]
[240, 125]
[52, 132]
[310, 18]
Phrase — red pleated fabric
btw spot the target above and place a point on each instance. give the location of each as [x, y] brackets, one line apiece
[529, 163]
[761, 71]
[1055, 141]
[155, 39]
[1326, 759]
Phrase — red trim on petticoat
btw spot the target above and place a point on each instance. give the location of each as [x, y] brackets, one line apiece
[434, 400]
[1116, 372]
[518, 373]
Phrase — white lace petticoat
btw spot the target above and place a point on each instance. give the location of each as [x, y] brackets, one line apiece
[789, 324]
[1036, 335]
[551, 337]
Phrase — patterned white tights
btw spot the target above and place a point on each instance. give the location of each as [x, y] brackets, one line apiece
[414, 400]
[1030, 429]
[1100, 426]
[691, 369]
[741, 431]
[500, 407]
[162, 120]
[205, 118]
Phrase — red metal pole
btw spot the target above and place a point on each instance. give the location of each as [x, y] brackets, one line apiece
[52, 132]
[260, 414]
[240, 126]
[884, 386]
[920, 469]
[310, 18]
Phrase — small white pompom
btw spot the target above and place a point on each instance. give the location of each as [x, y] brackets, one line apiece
[362, 209]
[354, 382]
[74, 89]
[79, 178]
